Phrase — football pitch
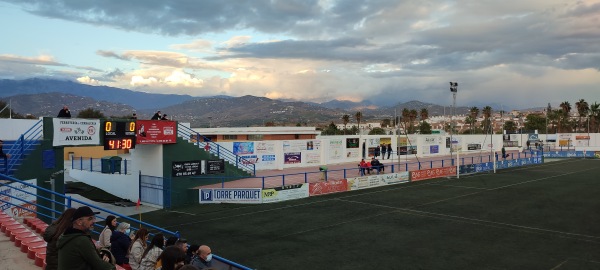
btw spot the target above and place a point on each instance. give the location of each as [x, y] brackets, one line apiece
[536, 217]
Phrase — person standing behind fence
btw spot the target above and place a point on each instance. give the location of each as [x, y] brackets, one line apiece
[389, 150]
[383, 150]
[51, 235]
[4, 155]
[64, 112]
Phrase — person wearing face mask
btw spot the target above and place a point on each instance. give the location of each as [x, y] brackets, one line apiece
[203, 258]
[119, 244]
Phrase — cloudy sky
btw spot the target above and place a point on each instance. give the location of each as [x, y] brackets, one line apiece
[516, 53]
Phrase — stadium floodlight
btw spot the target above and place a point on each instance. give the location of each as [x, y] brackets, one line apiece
[454, 90]
[453, 87]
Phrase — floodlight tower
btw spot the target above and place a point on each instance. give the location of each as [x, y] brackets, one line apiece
[454, 90]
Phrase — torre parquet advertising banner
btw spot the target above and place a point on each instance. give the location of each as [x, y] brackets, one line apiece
[156, 132]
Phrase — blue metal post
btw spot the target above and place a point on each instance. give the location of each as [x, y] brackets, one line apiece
[81, 163]
[431, 164]
[263, 182]
[306, 176]
[283, 179]
[406, 165]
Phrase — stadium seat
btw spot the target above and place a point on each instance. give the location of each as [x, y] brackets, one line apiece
[25, 237]
[40, 258]
[16, 232]
[10, 228]
[32, 250]
[10, 223]
[41, 228]
[31, 242]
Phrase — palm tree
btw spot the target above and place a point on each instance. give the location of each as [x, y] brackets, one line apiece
[487, 114]
[358, 116]
[553, 117]
[405, 119]
[424, 114]
[595, 116]
[582, 109]
[413, 116]
[566, 109]
[345, 120]
[474, 112]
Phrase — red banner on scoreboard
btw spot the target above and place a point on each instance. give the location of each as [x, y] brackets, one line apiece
[432, 173]
[156, 132]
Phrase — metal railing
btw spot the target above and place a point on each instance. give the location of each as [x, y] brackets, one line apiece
[216, 149]
[26, 143]
[109, 165]
[67, 202]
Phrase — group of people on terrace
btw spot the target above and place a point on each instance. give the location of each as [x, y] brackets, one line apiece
[71, 246]
[159, 116]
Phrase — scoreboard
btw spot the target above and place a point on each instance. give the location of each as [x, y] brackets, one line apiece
[119, 134]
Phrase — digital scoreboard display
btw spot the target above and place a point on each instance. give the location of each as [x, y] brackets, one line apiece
[119, 135]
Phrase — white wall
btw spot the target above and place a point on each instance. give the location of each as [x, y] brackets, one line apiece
[121, 185]
[11, 129]
[147, 158]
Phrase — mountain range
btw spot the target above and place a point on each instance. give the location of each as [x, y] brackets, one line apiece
[45, 97]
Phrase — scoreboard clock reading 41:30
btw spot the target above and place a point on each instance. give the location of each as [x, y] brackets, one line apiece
[119, 135]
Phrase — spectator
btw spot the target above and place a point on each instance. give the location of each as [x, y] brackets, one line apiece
[203, 258]
[51, 235]
[119, 244]
[156, 116]
[383, 150]
[134, 116]
[150, 256]
[182, 244]
[64, 113]
[389, 150]
[363, 167]
[4, 156]
[76, 248]
[136, 250]
[111, 225]
[164, 117]
[191, 252]
[376, 164]
[172, 258]
[171, 241]
[377, 151]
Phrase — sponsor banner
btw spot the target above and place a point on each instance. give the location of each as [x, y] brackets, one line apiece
[322, 188]
[570, 154]
[474, 168]
[352, 143]
[432, 173]
[313, 145]
[76, 131]
[352, 153]
[313, 158]
[456, 143]
[230, 195]
[15, 194]
[249, 159]
[186, 168]
[294, 146]
[385, 141]
[292, 158]
[156, 132]
[285, 193]
[336, 149]
[377, 180]
[215, 166]
[264, 147]
[518, 162]
[373, 142]
[243, 148]
[533, 137]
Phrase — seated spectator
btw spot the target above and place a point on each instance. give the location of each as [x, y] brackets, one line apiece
[369, 167]
[363, 166]
[64, 112]
[150, 256]
[136, 250]
[51, 235]
[111, 225]
[376, 164]
[171, 241]
[172, 258]
[119, 244]
[203, 258]
[182, 244]
[164, 117]
[191, 252]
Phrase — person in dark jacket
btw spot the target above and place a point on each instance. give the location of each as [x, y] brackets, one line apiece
[203, 258]
[389, 150]
[64, 113]
[76, 249]
[156, 116]
[119, 244]
[51, 235]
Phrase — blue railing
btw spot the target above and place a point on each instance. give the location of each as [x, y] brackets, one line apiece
[58, 200]
[25, 144]
[278, 180]
[216, 149]
[103, 165]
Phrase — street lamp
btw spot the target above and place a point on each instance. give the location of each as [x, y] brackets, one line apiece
[454, 90]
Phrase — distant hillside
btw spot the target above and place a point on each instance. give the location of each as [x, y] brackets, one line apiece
[135, 99]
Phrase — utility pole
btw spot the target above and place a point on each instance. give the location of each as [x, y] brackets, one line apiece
[454, 90]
